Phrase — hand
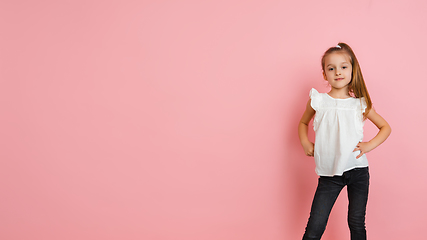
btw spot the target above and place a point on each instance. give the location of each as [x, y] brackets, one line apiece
[363, 147]
[308, 148]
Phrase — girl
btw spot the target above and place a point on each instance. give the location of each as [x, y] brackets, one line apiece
[339, 152]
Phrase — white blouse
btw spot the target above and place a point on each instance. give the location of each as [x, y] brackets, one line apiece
[338, 124]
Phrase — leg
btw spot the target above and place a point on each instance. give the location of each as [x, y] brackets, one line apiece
[358, 188]
[326, 194]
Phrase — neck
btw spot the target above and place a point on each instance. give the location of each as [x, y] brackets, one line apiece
[341, 93]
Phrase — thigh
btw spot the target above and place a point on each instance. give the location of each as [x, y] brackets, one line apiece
[358, 189]
[327, 191]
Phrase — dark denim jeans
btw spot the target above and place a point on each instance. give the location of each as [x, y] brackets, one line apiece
[328, 189]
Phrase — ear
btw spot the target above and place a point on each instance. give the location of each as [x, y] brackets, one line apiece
[324, 75]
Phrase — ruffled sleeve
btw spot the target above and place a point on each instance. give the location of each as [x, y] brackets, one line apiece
[315, 99]
[363, 104]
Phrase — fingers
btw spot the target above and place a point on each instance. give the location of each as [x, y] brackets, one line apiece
[361, 152]
[357, 148]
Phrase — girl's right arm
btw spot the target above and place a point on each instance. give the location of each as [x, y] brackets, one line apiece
[303, 130]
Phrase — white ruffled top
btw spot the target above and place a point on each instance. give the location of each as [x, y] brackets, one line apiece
[338, 124]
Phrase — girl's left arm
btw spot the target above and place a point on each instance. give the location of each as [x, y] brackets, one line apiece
[381, 136]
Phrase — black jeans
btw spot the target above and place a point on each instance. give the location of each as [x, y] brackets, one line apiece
[328, 189]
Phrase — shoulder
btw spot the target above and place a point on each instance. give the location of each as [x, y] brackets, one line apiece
[314, 93]
[362, 103]
[315, 98]
[362, 100]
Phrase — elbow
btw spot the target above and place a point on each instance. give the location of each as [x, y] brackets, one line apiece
[388, 129]
[302, 122]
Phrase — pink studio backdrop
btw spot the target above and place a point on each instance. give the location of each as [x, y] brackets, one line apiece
[170, 120]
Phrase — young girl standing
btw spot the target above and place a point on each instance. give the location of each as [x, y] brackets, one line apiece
[338, 151]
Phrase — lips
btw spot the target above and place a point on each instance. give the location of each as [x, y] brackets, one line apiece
[339, 79]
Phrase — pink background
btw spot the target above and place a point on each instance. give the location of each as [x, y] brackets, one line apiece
[170, 120]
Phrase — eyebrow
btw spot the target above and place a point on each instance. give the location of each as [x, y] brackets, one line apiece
[334, 65]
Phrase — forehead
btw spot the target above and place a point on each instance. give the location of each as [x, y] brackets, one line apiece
[337, 58]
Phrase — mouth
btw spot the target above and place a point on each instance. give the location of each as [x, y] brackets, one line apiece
[339, 79]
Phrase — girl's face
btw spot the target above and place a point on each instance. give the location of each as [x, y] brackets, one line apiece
[338, 70]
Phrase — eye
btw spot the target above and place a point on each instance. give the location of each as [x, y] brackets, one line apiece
[344, 67]
[330, 69]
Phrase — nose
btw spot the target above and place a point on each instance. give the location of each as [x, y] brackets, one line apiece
[337, 72]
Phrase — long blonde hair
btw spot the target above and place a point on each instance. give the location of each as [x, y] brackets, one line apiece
[357, 86]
